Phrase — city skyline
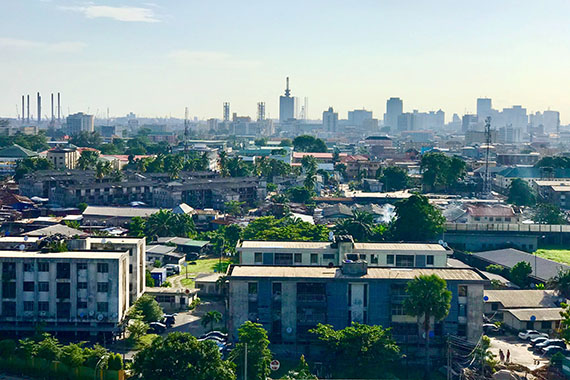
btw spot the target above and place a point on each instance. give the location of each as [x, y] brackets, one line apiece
[155, 60]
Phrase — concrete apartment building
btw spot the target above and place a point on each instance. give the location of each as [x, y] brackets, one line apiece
[72, 293]
[80, 122]
[331, 254]
[290, 300]
[63, 158]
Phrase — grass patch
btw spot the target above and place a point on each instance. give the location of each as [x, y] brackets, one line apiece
[145, 341]
[554, 254]
[187, 282]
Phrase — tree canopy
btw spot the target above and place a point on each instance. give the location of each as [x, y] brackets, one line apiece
[548, 213]
[394, 178]
[163, 223]
[520, 193]
[307, 143]
[270, 228]
[441, 172]
[147, 309]
[367, 348]
[360, 226]
[258, 353]
[416, 220]
[181, 356]
[30, 165]
[519, 274]
[555, 162]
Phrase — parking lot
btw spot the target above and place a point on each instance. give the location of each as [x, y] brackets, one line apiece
[520, 350]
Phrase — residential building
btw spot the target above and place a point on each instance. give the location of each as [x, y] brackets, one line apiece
[10, 156]
[330, 254]
[80, 122]
[504, 177]
[290, 300]
[556, 192]
[492, 214]
[173, 300]
[115, 216]
[83, 294]
[518, 158]
[63, 157]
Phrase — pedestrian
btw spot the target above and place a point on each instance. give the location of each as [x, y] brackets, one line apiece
[501, 355]
[508, 355]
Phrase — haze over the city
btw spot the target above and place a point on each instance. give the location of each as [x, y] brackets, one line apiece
[156, 59]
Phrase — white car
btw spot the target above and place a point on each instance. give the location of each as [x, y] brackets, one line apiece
[531, 334]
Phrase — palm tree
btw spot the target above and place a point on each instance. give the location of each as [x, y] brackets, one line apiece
[210, 318]
[87, 160]
[102, 169]
[359, 225]
[427, 297]
[223, 163]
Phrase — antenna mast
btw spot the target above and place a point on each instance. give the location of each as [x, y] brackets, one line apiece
[186, 134]
[487, 179]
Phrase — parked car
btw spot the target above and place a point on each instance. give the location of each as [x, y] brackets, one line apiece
[550, 342]
[168, 320]
[491, 328]
[217, 334]
[172, 269]
[551, 350]
[157, 327]
[531, 334]
[535, 341]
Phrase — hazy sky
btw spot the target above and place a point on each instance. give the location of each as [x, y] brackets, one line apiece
[156, 58]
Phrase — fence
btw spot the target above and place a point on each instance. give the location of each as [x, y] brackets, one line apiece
[44, 369]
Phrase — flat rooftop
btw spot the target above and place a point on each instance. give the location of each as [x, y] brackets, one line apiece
[256, 271]
[124, 212]
[98, 255]
[327, 245]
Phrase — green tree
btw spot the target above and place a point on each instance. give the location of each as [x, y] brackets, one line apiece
[262, 141]
[428, 297]
[137, 226]
[258, 353]
[299, 194]
[137, 328]
[307, 143]
[548, 213]
[237, 168]
[181, 356]
[301, 372]
[103, 169]
[211, 318]
[147, 309]
[561, 282]
[394, 178]
[49, 348]
[7, 348]
[519, 274]
[82, 206]
[309, 165]
[368, 349]
[484, 355]
[441, 172]
[166, 223]
[565, 322]
[96, 355]
[72, 355]
[416, 220]
[30, 165]
[359, 225]
[269, 228]
[149, 281]
[520, 193]
[88, 160]
[286, 142]
[234, 208]
[86, 139]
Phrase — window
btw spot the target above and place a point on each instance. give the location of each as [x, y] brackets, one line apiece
[349, 296]
[507, 219]
[28, 286]
[81, 305]
[43, 267]
[102, 268]
[298, 258]
[390, 259]
[546, 325]
[429, 260]
[276, 288]
[252, 288]
[283, 259]
[495, 306]
[373, 259]
[8, 271]
[362, 256]
[63, 271]
[328, 256]
[63, 290]
[398, 309]
[462, 330]
[81, 285]
[81, 266]
[477, 218]
[9, 309]
[258, 257]
[530, 325]
[28, 305]
[63, 309]
[43, 286]
[462, 310]
[102, 287]
[8, 289]
[102, 307]
[365, 297]
[314, 258]
[462, 291]
[28, 267]
[404, 260]
[130, 268]
[43, 306]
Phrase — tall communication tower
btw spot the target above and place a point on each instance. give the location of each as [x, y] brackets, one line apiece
[186, 133]
[488, 141]
[260, 111]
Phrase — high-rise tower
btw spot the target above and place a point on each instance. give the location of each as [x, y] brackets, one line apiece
[394, 108]
[226, 112]
[286, 105]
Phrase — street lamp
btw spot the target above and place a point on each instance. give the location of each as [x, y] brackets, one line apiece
[105, 356]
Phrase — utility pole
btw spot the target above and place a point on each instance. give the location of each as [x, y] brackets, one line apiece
[488, 140]
[245, 363]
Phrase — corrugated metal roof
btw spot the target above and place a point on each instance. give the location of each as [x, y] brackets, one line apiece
[533, 298]
[63, 255]
[327, 245]
[546, 314]
[373, 273]
[124, 212]
[398, 247]
[286, 244]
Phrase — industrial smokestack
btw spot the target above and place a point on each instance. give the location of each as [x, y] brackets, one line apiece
[28, 118]
[39, 108]
[52, 114]
[23, 107]
[58, 107]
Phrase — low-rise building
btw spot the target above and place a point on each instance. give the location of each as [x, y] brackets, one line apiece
[492, 214]
[173, 299]
[290, 300]
[293, 253]
[83, 294]
[63, 157]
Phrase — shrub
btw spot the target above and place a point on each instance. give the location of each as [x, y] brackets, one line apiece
[7, 348]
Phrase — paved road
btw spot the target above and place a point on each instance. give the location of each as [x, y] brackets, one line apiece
[520, 352]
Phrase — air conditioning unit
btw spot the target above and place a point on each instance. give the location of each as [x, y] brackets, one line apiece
[43, 313]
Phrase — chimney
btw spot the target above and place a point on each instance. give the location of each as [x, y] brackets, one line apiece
[52, 114]
[58, 107]
[28, 108]
[39, 108]
[23, 107]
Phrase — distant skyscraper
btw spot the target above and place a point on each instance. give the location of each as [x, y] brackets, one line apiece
[469, 123]
[330, 120]
[286, 105]
[484, 108]
[394, 108]
[80, 122]
[358, 117]
[260, 111]
[226, 112]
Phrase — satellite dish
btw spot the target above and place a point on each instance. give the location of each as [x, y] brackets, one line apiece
[22, 247]
[532, 318]
[445, 244]
[91, 313]
[289, 330]
[331, 236]
[99, 317]
[26, 238]
[103, 240]
[440, 242]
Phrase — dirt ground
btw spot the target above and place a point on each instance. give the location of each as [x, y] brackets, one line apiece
[520, 351]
